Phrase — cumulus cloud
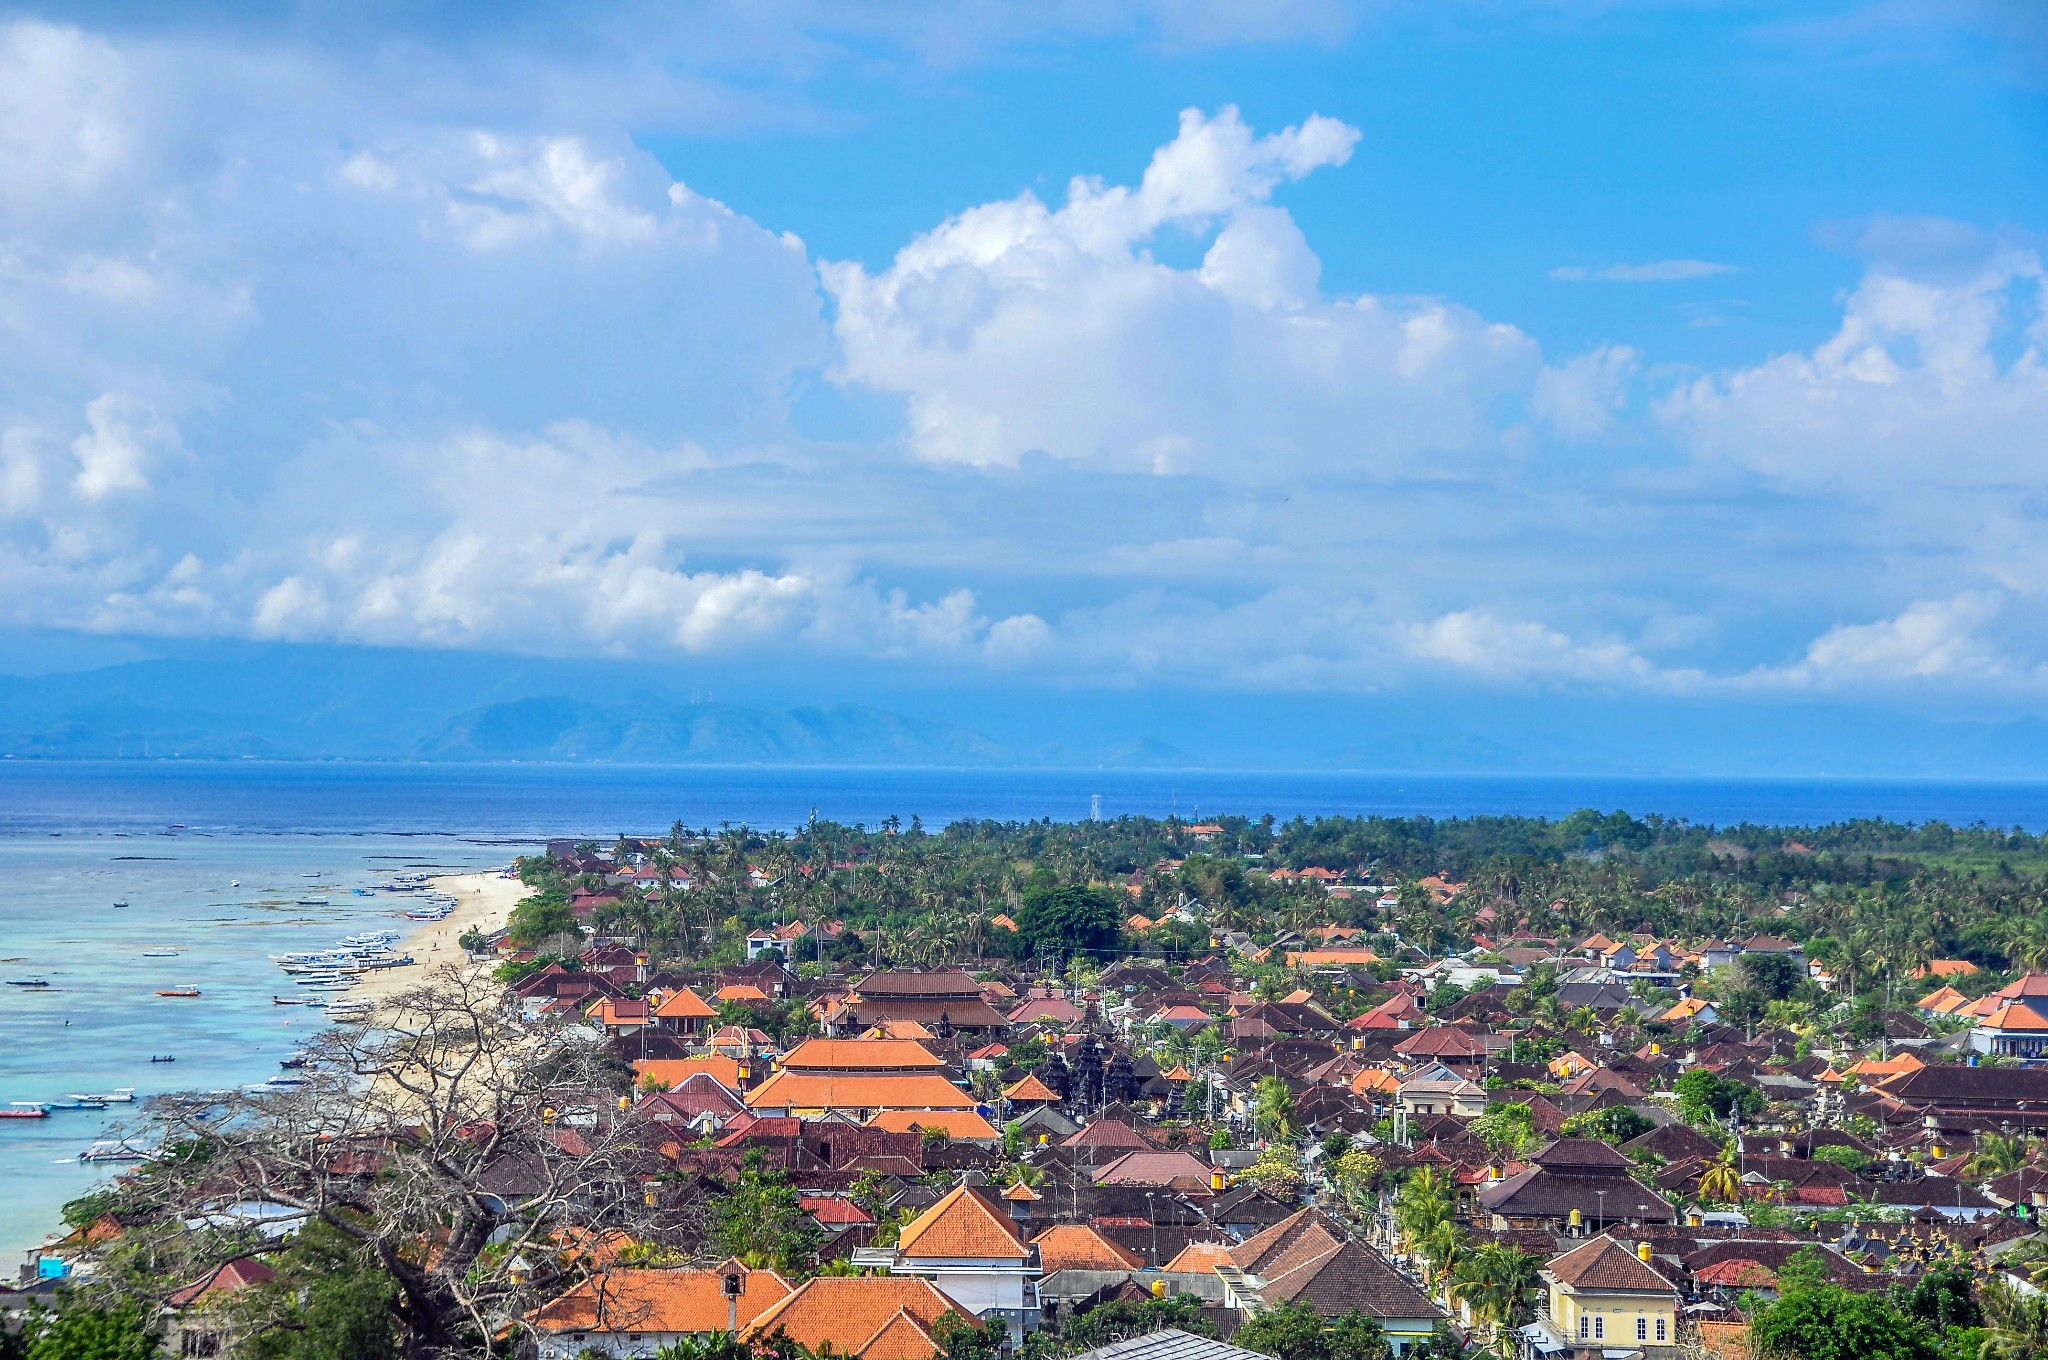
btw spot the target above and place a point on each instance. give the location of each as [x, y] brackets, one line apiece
[1929, 640]
[1935, 376]
[122, 438]
[1582, 396]
[1016, 327]
[1481, 643]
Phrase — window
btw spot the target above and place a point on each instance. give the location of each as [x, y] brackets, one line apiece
[1583, 1324]
[1599, 1329]
[1642, 1329]
[1660, 1329]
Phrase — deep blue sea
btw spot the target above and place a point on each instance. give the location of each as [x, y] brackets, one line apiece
[212, 859]
[528, 801]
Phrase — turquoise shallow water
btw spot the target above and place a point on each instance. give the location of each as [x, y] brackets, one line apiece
[96, 1026]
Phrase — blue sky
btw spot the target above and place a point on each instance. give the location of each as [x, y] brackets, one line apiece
[1669, 351]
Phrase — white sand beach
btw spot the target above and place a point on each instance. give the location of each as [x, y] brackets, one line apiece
[484, 900]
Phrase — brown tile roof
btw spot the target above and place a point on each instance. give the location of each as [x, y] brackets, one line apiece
[1176, 1170]
[226, 1278]
[964, 1223]
[1604, 1263]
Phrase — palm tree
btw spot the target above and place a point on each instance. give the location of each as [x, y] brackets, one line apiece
[2016, 1323]
[1423, 1203]
[1997, 1154]
[1721, 1182]
[1443, 1247]
[1499, 1285]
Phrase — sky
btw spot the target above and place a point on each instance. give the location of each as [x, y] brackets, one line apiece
[1687, 352]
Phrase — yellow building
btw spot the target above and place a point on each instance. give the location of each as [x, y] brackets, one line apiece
[1605, 1295]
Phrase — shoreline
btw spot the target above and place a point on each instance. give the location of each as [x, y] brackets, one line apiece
[483, 899]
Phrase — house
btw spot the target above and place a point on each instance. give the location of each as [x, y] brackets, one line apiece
[195, 1329]
[1606, 1295]
[968, 1244]
[1311, 1260]
[684, 1012]
[636, 1312]
[862, 1317]
[2017, 1029]
[943, 1001]
[1573, 1184]
[1437, 1090]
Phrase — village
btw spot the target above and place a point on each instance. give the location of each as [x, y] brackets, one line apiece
[1539, 1145]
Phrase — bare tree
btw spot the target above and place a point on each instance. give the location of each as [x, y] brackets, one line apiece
[475, 1159]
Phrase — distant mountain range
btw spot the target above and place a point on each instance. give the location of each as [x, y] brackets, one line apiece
[238, 700]
[555, 728]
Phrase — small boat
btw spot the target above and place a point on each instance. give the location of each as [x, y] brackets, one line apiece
[112, 1151]
[28, 982]
[293, 1063]
[187, 990]
[163, 1057]
[286, 1083]
[26, 1109]
[312, 901]
[75, 1103]
[120, 1095]
[161, 953]
[290, 1001]
[234, 883]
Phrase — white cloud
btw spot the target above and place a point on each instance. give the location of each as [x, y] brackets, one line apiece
[1929, 640]
[1015, 327]
[1912, 389]
[66, 117]
[1581, 396]
[1655, 271]
[123, 436]
[1515, 650]
[21, 471]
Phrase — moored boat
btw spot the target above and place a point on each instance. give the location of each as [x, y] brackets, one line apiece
[188, 990]
[112, 1150]
[26, 1109]
[37, 982]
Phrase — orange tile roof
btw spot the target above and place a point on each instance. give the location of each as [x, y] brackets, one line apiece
[861, 1316]
[684, 1005]
[673, 1072]
[956, 1123]
[963, 1224]
[739, 991]
[1944, 1000]
[1332, 958]
[659, 1301]
[1077, 1246]
[899, 1029]
[840, 1091]
[861, 1055]
[1030, 1088]
[1198, 1258]
[1946, 968]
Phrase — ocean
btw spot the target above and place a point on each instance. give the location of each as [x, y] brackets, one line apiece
[172, 838]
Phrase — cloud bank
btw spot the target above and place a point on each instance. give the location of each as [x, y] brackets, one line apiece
[306, 347]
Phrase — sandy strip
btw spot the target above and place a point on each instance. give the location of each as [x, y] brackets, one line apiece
[483, 900]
